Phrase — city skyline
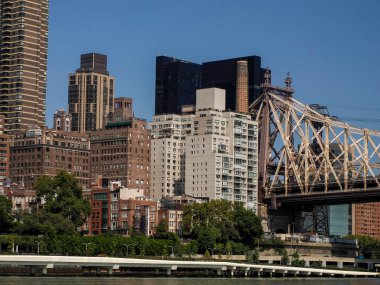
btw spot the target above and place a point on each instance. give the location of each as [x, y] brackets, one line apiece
[331, 56]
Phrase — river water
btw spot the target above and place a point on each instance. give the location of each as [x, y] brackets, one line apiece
[180, 281]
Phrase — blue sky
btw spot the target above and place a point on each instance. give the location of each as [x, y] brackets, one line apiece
[331, 47]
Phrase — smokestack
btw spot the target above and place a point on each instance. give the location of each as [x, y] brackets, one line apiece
[242, 86]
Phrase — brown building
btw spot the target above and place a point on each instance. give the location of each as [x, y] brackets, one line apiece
[62, 121]
[122, 111]
[40, 151]
[4, 153]
[91, 93]
[119, 209]
[23, 62]
[366, 219]
[120, 151]
[23, 200]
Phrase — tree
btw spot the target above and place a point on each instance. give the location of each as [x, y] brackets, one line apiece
[5, 214]
[284, 257]
[247, 224]
[206, 237]
[296, 261]
[63, 195]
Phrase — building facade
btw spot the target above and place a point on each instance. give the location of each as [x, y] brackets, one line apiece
[116, 209]
[23, 62]
[40, 151]
[121, 152]
[62, 121]
[91, 93]
[176, 83]
[211, 154]
[4, 153]
[224, 74]
[366, 219]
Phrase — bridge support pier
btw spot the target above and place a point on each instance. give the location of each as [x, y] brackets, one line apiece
[219, 272]
[232, 272]
[98, 271]
[340, 264]
[206, 272]
[32, 270]
[110, 271]
[157, 271]
[168, 272]
[44, 271]
[323, 263]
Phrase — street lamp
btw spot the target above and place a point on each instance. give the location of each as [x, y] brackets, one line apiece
[127, 246]
[38, 247]
[86, 244]
[212, 251]
[172, 247]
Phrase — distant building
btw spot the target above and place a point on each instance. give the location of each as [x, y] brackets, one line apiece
[366, 219]
[176, 83]
[211, 154]
[173, 219]
[62, 121]
[23, 62]
[224, 74]
[177, 80]
[23, 200]
[121, 150]
[91, 93]
[116, 209]
[4, 153]
[41, 151]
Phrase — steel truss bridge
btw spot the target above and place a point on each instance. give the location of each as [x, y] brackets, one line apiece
[307, 157]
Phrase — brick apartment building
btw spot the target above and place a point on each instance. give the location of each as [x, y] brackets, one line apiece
[40, 151]
[366, 219]
[23, 200]
[120, 210]
[121, 150]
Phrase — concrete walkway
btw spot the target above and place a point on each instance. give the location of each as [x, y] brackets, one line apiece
[109, 264]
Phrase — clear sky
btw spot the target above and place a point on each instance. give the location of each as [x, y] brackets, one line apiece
[331, 47]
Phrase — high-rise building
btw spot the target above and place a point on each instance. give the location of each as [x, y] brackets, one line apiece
[4, 153]
[223, 74]
[23, 62]
[91, 93]
[176, 83]
[211, 154]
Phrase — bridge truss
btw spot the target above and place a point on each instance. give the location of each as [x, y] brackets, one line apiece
[304, 152]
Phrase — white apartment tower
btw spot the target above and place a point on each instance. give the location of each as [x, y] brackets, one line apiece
[218, 152]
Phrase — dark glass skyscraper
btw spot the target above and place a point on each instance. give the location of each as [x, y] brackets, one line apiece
[176, 83]
[222, 74]
[177, 80]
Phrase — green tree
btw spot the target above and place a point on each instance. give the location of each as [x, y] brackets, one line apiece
[296, 261]
[248, 224]
[284, 257]
[63, 195]
[206, 237]
[5, 214]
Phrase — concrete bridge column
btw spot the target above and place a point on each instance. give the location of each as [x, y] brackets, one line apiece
[168, 272]
[32, 270]
[307, 263]
[219, 272]
[206, 272]
[44, 271]
[246, 273]
[340, 264]
[323, 263]
[98, 271]
[110, 271]
[157, 271]
[232, 272]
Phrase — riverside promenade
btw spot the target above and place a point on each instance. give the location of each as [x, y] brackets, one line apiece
[109, 266]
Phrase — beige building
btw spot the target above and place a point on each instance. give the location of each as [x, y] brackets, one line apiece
[23, 62]
[211, 154]
[91, 93]
[4, 153]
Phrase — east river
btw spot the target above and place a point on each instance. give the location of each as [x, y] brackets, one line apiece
[180, 281]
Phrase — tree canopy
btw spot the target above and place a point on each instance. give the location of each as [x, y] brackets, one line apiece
[5, 214]
[221, 221]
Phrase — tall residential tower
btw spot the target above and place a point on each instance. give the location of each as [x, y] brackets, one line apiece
[23, 62]
[91, 93]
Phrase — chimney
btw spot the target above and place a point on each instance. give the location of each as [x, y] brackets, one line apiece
[242, 86]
